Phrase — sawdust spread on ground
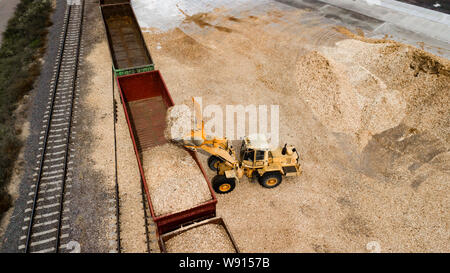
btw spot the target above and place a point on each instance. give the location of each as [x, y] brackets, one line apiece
[370, 121]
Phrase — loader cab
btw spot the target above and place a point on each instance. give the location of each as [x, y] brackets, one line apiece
[254, 151]
[253, 158]
[247, 157]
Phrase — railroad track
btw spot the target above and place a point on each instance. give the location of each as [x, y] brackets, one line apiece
[150, 226]
[46, 227]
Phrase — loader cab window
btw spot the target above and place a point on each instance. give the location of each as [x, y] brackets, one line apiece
[259, 159]
[249, 155]
[259, 155]
[242, 151]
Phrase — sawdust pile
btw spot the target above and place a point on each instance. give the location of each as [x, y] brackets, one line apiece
[209, 238]
[178, 123]
[346, 197]
[362, 88]
[175, 182]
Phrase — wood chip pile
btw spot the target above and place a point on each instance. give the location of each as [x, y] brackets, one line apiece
[363, 89]
[178, 120]
[209, 238]
[175, 181]
[370, 120]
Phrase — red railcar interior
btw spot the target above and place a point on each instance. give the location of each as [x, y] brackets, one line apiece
[145, 100]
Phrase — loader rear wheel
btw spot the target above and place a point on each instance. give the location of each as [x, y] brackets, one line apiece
[222, 185]
[213, 162]
[270, 180]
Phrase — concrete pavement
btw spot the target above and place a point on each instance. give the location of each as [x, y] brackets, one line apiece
[433, 24]
[402, 22]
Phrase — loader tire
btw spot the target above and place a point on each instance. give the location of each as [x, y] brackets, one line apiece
[222, 185]
[213, 162]
[270, 180]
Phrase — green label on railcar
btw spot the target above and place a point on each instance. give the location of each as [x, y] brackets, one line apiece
[129, 71]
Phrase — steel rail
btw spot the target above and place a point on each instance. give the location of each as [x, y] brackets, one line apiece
[119, 247]
[74, 86]
[47, 131]
[66, 44]
[144, 204]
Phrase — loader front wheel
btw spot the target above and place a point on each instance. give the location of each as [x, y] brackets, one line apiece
[213, 162]
[270, 180]
[222, 185]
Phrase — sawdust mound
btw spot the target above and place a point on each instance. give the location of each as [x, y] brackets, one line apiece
[362, 88]
[424, 83]
[175, 182]
[209, 238]
[425, 62]
[324, 87]
[178, 123]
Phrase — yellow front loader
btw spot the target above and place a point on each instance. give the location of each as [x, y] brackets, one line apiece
[257, 160]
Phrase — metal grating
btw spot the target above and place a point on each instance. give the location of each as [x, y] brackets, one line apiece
[148, 121]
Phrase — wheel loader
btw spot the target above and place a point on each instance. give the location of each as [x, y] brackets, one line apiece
[257, 160]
